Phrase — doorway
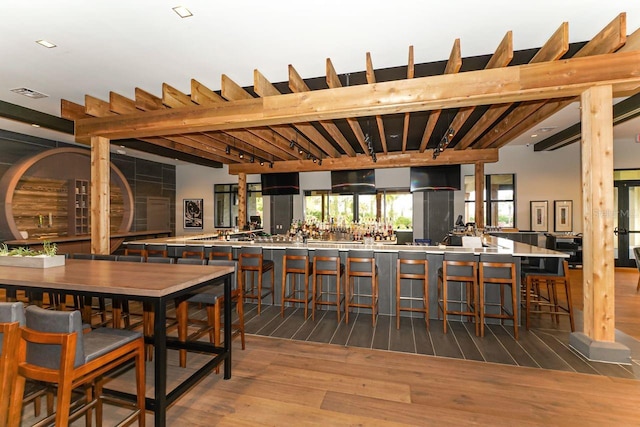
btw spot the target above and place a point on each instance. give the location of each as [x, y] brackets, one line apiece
[627, 221]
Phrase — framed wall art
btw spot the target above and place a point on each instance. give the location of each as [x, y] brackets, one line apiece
[563, 214]
[539, 215]
[193, 214]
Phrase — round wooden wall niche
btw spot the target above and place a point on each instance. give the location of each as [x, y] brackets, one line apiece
[48, 195]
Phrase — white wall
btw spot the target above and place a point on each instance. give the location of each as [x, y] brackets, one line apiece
[552, 175]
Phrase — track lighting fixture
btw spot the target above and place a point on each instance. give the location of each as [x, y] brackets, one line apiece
[320, 161]
[261, 162]
[228, 150]
[241, 155]
[252, 159]
[271, 165]
[292, 144]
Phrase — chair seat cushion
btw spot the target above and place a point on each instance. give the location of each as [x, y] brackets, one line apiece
[103, 340]
[210, 295]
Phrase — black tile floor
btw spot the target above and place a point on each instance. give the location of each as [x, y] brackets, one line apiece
[544, 346]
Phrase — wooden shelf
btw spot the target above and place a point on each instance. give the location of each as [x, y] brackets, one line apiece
[79, 212]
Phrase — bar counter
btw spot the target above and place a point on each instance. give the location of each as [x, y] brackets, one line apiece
[385, 255]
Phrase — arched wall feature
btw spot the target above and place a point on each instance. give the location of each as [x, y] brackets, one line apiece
[38, 194]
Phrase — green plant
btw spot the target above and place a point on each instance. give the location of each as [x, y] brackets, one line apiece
[49, 249]
[22, 251]
[4, 249]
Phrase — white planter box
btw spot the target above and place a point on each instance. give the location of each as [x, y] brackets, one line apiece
[32, 261]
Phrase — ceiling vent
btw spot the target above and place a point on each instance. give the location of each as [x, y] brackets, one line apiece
[29, 93]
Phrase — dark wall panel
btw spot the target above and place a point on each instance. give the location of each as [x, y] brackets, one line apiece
[146, 178]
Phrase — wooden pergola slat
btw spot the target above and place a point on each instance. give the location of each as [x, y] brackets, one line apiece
[453, 66]
[551, 80]
[297, 84]
[553, 49]
[371, 78]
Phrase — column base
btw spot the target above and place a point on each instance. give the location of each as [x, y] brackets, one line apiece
[600, 351]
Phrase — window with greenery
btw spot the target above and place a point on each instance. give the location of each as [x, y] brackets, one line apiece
[393, 205]
[225, 198]
[499, 201]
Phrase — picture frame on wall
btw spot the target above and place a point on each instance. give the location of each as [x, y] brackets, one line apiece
[539, 210]
[563, 215]
[193, 214]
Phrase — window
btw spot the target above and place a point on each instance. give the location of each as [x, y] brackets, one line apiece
[226, 204]
[393, 205]
[499, 201]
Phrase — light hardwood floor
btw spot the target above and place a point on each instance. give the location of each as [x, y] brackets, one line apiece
[281, 382]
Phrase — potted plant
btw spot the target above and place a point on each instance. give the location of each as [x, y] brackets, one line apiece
[27, 257]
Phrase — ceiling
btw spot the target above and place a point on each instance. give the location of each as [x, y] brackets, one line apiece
[118, 46]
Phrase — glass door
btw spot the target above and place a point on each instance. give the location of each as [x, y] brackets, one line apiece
[627, 222]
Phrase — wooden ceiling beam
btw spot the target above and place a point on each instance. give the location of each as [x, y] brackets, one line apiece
[500, 58]
[553, 49]
[333, 81]
[407, 116]
[125, 106]
[262, 139]
[608, 40]
[232, 91]
[371, 79]
[549, 80]
[453, 66]
[362, 161]
[297, 84]
[244, 141]
[263, 87]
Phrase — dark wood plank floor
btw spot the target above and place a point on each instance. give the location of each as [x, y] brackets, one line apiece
[544, 346]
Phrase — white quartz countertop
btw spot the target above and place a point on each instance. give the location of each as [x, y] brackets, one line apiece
[491, 244]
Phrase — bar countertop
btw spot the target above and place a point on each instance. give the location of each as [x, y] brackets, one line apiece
[491, 244]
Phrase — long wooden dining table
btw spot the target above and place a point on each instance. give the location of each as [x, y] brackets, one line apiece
[155, 284]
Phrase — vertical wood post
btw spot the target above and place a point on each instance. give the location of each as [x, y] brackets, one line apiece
[100, 173]
[242, 200]
[479, 184]
[598, 211]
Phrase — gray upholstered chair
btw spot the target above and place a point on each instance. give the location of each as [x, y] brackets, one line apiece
[213, 299]
[11, 318]
[636, 252]
[53, 348]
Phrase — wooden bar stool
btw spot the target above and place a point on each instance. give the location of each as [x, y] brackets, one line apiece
[462, 268]
[252, 261]
[193, 252]
[157, 250]
[220, 253]
[326, 263]
[412, 266]
[361, 264]
[553, 274]
[498, 270]
[136, 249]
[296, 267]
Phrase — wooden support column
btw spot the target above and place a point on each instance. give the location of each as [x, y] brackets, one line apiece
[100, 171]
[598, 340]
[242, 200]
[479, 181]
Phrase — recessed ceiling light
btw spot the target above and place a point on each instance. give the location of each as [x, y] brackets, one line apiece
[46, 43]
[534, 135]
[547, 129]
[35, 125]
[182, 11]
[29, 93]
